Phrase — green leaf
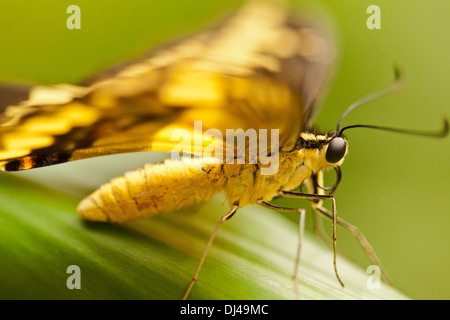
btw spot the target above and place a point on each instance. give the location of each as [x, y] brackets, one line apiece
[252, 256]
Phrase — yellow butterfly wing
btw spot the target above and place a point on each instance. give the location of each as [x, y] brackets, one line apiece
[263, 68]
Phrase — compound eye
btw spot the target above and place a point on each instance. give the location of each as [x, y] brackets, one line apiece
[336, 150]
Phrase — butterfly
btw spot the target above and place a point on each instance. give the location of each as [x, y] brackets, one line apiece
[264, 69]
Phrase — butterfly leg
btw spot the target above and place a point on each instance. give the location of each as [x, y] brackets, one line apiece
[336, 220]
[317, 219]
[208, 246]
[314, 197]
[301, 226]
[319, 230]
[362, 240]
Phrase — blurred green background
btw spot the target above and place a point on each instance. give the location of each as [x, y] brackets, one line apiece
[395, 188]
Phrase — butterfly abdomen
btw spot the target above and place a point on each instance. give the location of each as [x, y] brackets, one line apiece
[153, 189]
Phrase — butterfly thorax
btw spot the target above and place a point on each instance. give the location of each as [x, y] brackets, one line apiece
[245, 185]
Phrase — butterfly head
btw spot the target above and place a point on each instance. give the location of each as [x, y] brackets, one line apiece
[336, 149]
[322, 150]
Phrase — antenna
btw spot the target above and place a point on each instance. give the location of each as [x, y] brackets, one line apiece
[396, 85]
